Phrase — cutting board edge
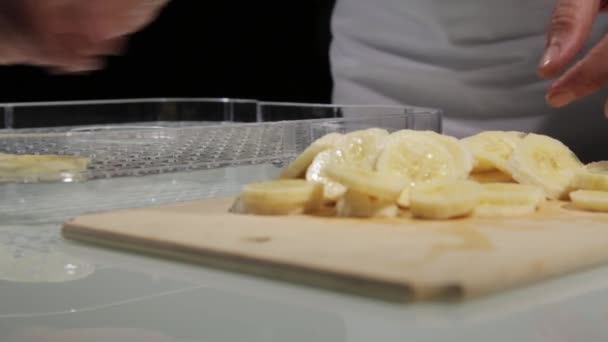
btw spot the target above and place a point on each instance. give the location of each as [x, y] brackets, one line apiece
[294, 274]
[391, 288]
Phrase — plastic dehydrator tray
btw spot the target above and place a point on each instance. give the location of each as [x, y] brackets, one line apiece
[138, 149]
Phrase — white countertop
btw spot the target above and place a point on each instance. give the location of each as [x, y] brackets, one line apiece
[57, 290]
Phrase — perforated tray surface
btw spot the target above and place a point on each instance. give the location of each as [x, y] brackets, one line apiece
[141, 151]
[118, 151]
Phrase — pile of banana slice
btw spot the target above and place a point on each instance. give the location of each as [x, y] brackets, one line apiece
[423, 174]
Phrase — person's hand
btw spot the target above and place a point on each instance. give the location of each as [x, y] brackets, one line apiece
[570, 27]
[69, 35]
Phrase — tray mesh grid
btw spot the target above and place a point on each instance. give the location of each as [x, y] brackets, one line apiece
[121, 151]
[139, 151]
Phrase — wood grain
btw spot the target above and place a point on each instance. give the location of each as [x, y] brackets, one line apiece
[396, 259]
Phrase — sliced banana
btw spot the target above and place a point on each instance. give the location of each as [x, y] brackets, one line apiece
[386, 186]
[358, 149]
[545, 162]
[419, 158]
[492, 149]
[504, 199]
[404, 198]
[379, 133]
[332, 190]
[590, 200]
[489, 210]
[358, 204]
[461, 152]
[362, 148]
[446, 200]
[491, 177]
[593, 176]
[281, 197]
[297, 168]
[511, 194]
[237, 206]
[18, 168]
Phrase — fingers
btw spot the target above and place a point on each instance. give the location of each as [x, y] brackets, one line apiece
[64, 34]
[111, 47]
[570, 26]
[583, 79]
[81, 67]
[111, 19]
[71, 35]
[50, 28]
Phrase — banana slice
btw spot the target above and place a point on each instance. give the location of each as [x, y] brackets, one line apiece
[461, 153]
[503, 200]
[404, 198]
[445, 201]
[511, 194]
[489, 210]
[590, 200]
[492, 149]
[545, 162]
[362, 148]
[358, 204]
[419, 158]
[385, 186]
[358, 149]
[18, 168]
[491, 177]
[237, 206]
[281, 197]
[332, 190]
[297, 168]
[593, 176]
[379, 133]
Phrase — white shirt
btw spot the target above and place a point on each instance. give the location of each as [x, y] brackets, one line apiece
[474, 59]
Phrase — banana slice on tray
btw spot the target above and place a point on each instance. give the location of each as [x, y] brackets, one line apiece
[503, 199]
[18, 168]
[358, 149]
[545, 162]
[419, 158]
[281, 197]
[492, 149]
[590, 200]
[593, 176]
[445, 200]
[298, 167]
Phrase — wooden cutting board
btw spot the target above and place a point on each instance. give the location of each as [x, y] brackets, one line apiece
[395, 259]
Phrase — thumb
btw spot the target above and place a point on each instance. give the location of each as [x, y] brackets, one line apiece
[571, 24]
[110, 19]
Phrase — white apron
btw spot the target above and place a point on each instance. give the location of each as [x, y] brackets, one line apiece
[474, 59]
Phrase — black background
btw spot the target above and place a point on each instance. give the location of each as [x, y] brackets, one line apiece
[267, 50]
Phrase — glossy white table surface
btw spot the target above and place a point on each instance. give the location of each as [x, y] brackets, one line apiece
[57, 290]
